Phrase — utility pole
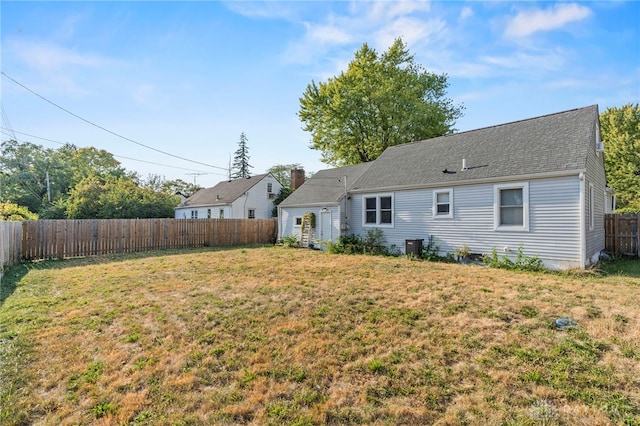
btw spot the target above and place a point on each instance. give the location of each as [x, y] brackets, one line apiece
[48, 187]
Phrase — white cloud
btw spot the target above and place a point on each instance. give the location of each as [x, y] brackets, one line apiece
[466, 13]
[526, 23]
[335, 35]
[58, 64]
[327, 34]
[383, 10]
[47, 56]
[412, 30]
[526, 63]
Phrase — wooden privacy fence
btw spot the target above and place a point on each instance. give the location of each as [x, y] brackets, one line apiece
[10, 238]
[621, 234]
[46, 239]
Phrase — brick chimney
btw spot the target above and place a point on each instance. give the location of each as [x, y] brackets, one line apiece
[297, 178]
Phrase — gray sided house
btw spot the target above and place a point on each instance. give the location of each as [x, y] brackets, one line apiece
[324, 195]
[245, 198]
[538, 184]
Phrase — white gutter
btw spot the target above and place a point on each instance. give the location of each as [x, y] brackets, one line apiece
[279, 209]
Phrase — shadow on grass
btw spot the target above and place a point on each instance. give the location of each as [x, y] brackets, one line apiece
[10, 280]
[13, 274]
[626, 266]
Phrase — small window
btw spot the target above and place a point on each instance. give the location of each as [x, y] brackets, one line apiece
[298, 221]
[208, 213]
[221, 214]
[378, 210]
[512, 207]
[269, 187]
[443, 203]
[252, 213]
[194, 214]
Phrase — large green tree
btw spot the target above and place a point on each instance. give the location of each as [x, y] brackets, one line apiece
[41, 178]
[620, 129]
[117, 198]
[379, 101]
[71, 182]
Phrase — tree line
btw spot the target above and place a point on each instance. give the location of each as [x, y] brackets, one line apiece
[78, 183]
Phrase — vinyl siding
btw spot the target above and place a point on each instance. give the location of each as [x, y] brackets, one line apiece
[286, 221]
[595, 175]
[256, 198]
[554, 225]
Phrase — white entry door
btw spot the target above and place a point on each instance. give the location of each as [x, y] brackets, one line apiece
[325, 228]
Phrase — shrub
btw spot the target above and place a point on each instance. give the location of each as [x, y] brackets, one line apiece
[291, 241]
[14, 212]
[373, 243]
[521, 263]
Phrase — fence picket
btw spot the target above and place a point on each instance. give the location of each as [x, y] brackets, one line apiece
[622, 236]
[47, 239]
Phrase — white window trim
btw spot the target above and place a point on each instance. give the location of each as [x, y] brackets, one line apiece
[378, 215]
[295, 221]
[525, 207]
[435, 203]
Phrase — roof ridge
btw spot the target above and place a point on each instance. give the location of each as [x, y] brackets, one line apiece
[494, 126]
[522, 120]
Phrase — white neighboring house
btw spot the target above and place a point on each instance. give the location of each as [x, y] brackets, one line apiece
[244, 198]
[537, 183]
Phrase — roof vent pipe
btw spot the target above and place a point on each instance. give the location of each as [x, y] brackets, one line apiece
[464, 164]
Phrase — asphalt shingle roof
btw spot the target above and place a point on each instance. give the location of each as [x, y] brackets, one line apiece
[326, 186]
[223, 193]
[551, 143]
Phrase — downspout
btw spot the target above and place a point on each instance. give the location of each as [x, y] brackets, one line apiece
[583, 222]
[279, 210]
[346, 209]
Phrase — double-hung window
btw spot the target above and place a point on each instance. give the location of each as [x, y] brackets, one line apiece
[378, 210]
[443, 203]
[511, 207]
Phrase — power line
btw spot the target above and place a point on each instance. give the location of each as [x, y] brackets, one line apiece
[105, 129]
[5, 118]
[13, 132]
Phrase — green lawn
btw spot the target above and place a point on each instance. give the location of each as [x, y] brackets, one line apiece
[271, 335]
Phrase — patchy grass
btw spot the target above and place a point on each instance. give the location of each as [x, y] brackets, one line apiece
[283, 336]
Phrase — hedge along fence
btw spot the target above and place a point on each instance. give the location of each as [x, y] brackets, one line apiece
[48, 239]
[10, 244]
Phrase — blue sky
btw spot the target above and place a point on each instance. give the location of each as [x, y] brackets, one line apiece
[188, 78]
